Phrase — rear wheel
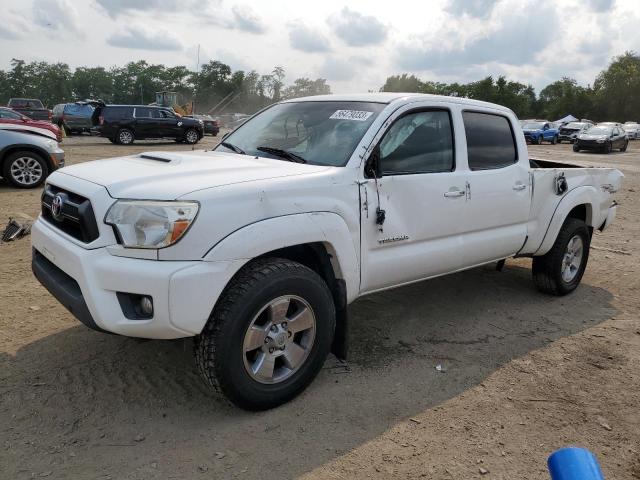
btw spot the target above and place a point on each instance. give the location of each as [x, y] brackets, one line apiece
[124, 137]
[25, 169]
[554, 140]
[269, 334]
[576, 148]
[560, 270]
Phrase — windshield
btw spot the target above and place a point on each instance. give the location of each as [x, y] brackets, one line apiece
[599, 131]
[321, 133]
[533, 126]
[575, 125]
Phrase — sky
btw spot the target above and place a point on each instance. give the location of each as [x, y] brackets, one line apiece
[355, 45]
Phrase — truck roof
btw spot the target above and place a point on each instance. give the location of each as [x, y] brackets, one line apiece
[394, 97]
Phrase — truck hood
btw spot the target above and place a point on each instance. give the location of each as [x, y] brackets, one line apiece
[169, 175]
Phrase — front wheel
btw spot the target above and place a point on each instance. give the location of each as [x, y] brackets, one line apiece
[269, 334]
[539, 140]
[608, 148]
[25, 169]
[624, 147]
[576, 148]
[191, 136]
[560, 270]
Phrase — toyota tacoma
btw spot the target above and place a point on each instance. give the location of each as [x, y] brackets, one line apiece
[257, 247]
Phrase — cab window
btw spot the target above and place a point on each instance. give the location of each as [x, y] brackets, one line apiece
[419, 142]
[490, 141]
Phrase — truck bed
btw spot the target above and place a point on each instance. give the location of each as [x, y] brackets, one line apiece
[547, 192]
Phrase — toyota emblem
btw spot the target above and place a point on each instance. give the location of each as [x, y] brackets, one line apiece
[56, 207]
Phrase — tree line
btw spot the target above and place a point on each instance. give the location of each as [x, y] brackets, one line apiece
[214, 85]
[614, 95]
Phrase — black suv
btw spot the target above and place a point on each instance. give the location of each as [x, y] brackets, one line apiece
[123, 124]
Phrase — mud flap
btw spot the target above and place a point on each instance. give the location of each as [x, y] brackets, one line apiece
[340, 346]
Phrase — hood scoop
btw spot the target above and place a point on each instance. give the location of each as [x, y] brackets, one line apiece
[157, 158]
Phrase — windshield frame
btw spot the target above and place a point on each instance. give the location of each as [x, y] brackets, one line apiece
[376, 116]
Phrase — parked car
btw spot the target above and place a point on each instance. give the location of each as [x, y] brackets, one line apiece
[122, 124]
[537, 132]
[27, 158]
[632, 130]
[31, 107]
[74, 117]
[602, 137]
[257, 247]
[211, 125]
[571, 130]
[10, 116]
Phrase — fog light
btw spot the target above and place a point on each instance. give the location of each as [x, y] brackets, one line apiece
[146, 306]
[136, 306]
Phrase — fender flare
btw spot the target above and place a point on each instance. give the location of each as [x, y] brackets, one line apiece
[328, 228]
[585, 195]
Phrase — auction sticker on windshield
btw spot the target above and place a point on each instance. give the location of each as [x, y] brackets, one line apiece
[357, 115]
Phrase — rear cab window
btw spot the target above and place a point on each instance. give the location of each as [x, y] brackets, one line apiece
[491, 142]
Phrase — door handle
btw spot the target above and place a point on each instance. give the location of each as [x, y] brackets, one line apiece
[519, 186]
[454, 193]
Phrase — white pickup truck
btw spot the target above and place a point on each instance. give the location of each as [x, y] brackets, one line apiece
[257, 247]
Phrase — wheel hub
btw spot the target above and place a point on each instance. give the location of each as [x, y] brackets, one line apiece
[572, 259]
[279, 339]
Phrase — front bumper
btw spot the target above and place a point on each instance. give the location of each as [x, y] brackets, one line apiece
[591, 145]
[57, 158]
[86, 281]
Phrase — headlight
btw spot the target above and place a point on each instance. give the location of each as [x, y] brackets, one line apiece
[151, 224]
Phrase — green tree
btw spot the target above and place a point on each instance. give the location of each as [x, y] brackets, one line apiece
[616, 89]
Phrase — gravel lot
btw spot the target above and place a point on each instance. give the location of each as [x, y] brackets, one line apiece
[524, 374]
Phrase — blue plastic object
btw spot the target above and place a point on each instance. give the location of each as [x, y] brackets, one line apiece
[574, 463]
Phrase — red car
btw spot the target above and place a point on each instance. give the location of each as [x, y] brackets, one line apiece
[10, 116]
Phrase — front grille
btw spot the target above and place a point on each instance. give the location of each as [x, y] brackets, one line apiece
[76, 217]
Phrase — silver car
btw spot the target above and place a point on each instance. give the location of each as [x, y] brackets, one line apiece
[27, 158]
[632, 130]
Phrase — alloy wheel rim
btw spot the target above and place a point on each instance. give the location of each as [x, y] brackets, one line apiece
[26, 171]
[279, 339]
[125, 137]
[572, 259]
[191, 136]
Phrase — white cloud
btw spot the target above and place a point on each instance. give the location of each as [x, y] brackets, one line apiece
[307, 39]
[139, 38]
[356, 29]
[57, 16]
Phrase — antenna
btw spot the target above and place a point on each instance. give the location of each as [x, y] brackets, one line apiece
[193, 99]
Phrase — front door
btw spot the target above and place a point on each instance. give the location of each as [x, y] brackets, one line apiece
[423, 198]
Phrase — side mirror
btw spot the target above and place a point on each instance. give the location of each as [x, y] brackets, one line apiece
[373, 167]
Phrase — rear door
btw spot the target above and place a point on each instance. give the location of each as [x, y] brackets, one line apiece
[498, 188]
[146, 126]
[422, 194]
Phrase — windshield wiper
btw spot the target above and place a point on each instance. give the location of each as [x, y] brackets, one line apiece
[283, 153]
[233, 147]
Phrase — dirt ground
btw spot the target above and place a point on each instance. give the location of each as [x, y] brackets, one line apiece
[523, 374]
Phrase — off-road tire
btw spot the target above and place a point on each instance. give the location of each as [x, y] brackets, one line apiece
[547, 269]
[218, 349]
